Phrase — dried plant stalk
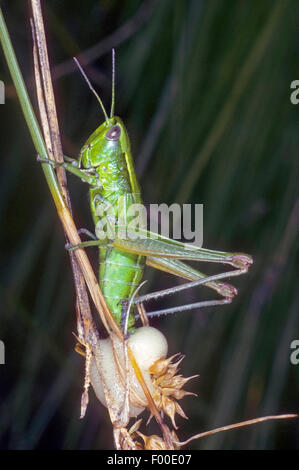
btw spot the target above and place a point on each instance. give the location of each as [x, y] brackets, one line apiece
[52, 137]
[87, 333]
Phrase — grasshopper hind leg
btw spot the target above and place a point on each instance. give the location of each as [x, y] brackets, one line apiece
[228, 293]
[184, 308]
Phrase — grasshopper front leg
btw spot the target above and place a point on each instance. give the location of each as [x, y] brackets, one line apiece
[87, 175]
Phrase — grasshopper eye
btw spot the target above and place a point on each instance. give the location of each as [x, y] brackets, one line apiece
[113, 133]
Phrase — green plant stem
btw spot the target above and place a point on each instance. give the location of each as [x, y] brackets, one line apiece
[62, 209]
[29, 114]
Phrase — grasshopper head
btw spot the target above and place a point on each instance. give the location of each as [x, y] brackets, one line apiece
[108, 141]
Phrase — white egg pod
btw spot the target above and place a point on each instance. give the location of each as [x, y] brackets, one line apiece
[148, 345]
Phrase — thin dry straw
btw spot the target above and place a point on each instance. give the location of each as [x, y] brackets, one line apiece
[236, 425]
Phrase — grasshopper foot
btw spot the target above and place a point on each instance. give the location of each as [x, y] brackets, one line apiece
[48, 161]
[242, 261]
[70, 247]
[42, 160]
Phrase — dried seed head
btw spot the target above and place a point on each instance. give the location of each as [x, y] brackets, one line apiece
[118, 381]
[168, 387]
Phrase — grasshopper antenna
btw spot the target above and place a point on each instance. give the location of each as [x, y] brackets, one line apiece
[91, 87]
[113, 84]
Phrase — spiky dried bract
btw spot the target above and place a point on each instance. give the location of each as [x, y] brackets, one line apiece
[155, 442]
[168, 386]
[127, 439]
[130, 440]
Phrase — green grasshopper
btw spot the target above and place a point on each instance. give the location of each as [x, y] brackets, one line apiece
[105, 163]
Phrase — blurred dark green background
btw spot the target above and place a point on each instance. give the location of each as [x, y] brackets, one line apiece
[204, 89]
